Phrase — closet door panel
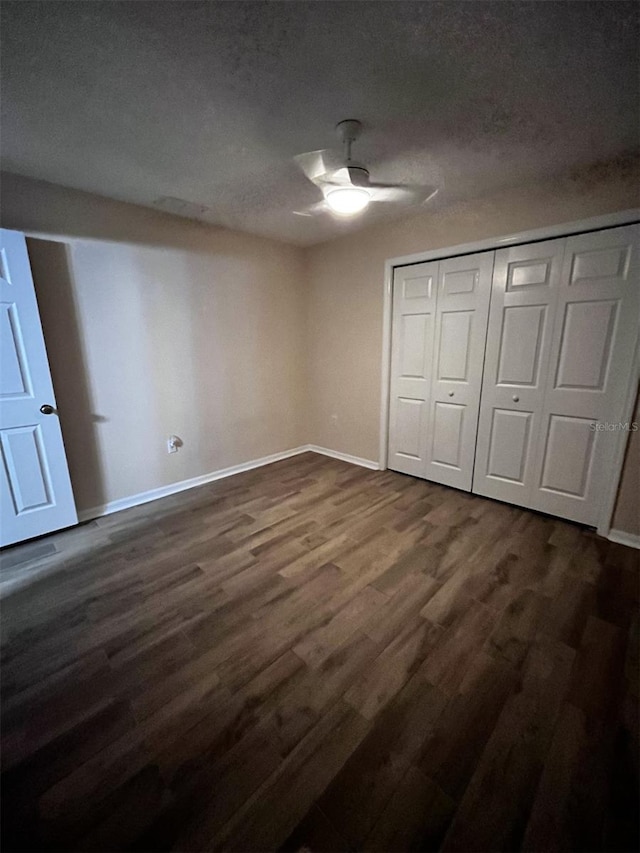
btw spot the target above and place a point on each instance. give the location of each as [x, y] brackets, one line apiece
[454, 345]
[521, 345]
[464, 289]
[524, 294]
[568, 455]
[414, 300]
[448, 431]
[509, 445]
[590, 363]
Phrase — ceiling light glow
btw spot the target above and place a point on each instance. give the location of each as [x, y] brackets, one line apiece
[347, 201]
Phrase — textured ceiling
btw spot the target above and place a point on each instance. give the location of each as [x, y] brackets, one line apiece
[207, 102]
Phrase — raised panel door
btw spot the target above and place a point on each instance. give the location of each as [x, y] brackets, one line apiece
[414, 301]
[524, 295]
[464, 289]
[35, 490]
[590, 363]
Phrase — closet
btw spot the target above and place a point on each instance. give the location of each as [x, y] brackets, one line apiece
[509, 368]
[438, 337]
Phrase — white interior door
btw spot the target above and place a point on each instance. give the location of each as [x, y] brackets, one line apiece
[524, 295]
[414, 306]
[35, 489]
[597, 319]
[464, 288]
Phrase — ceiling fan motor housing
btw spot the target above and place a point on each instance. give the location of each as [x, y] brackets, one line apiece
[358, 175]
[349, 130]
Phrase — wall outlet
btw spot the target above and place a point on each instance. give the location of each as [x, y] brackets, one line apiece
[173, 443]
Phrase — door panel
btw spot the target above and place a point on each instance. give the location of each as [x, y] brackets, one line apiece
[509, 445]
[448, 434]
[26, 467]
[414, 298]
[581, 366]
[414, 332]
[523, 300]
[455, 341]
[417, 282]
[567, 455]
[35, 489]
[455, 281]
[464, 288]
[520, 345]
[14, 376]
[410, 427]
[591, 359]
[600, 265]
[535, 271]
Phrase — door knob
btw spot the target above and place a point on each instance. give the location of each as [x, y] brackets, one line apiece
[47, 409]
[451, 393]
[515, 398]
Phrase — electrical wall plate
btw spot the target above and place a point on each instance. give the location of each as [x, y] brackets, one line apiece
[174, 442]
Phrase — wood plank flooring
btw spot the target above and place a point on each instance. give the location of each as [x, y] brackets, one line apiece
[313, 656]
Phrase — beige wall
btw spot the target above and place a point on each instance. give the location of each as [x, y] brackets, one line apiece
[155, 325]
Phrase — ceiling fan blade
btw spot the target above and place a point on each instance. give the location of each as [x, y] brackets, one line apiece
[390, 193]
[317, 164]
[402, 192]
[338, 177]
[311, 163]
[312, 210]
[335, 178]
[376, 185]
[412, 187]
[433, 192]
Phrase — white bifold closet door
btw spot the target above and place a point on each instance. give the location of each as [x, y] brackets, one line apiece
[414, 308]
[562, 325]
[438, 337]
[525, 286]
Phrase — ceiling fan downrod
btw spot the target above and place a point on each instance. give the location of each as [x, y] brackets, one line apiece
[348, 131]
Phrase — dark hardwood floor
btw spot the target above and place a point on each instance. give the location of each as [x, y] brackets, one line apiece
[314, 656]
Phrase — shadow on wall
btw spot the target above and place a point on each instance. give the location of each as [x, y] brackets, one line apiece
[54, 290]
[56, 211]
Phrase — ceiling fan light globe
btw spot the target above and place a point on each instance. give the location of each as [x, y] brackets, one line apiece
[348, 201]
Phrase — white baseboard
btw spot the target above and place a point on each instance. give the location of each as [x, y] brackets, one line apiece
[622, 538]
[183, 485]
[344, 457]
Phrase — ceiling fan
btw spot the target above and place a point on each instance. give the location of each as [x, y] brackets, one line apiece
[345, 183]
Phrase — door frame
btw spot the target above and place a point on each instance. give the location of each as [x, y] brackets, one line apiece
[564, 229]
